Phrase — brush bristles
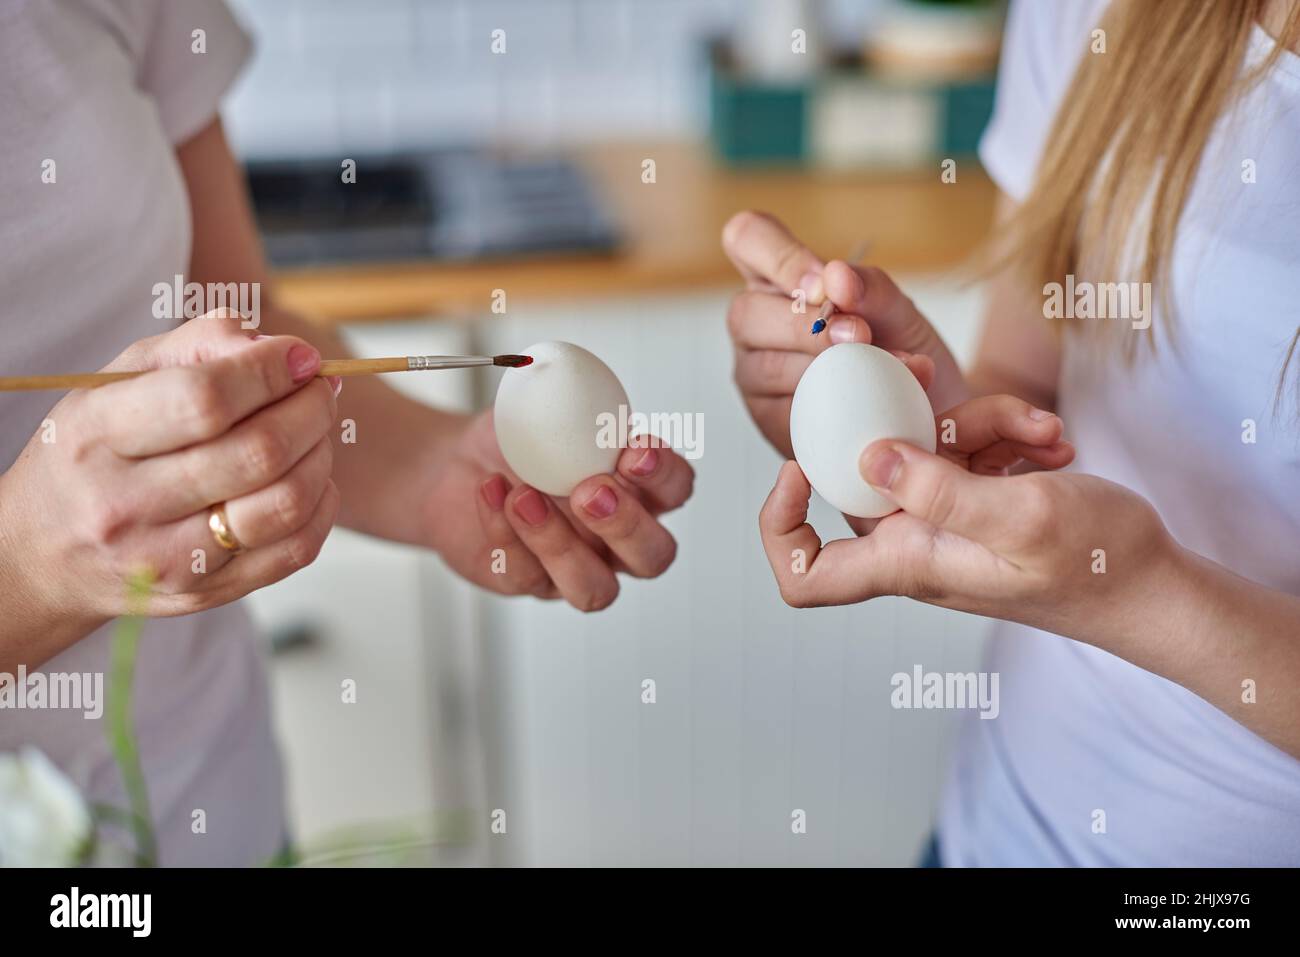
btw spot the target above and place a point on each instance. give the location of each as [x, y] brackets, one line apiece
[512, 362]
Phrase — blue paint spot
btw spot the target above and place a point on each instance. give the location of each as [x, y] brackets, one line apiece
[818, 326]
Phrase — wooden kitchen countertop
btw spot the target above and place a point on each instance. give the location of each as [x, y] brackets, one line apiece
[671, 233]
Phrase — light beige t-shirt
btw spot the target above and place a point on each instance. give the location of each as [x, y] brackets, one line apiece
[106, 89]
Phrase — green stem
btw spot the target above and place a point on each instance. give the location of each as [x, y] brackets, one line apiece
[121, 731]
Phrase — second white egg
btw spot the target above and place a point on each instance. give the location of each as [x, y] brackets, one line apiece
[850, 396]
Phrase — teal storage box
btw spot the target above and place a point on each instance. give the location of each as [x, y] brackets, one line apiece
[967, 108]
[755, 123]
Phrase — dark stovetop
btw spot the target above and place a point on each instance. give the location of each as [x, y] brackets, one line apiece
[452, 204]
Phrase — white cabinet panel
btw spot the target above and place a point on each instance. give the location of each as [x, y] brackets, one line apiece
[760, 709]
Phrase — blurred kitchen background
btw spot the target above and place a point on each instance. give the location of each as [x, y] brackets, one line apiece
[581, 156]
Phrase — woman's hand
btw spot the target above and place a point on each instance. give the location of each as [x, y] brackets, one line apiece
[772, 341]
[1050, 550]
[506, 536]
[122, 479]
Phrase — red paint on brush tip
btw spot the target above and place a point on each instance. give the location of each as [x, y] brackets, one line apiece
[513, 362]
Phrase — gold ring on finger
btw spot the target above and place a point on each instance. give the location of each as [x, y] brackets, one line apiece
[221, 531]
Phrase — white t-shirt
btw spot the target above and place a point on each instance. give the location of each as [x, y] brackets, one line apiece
[1081, 731]
[106, 89]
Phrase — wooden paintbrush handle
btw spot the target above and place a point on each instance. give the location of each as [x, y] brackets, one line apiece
[93, 380]
[363, 366]
[77, 380]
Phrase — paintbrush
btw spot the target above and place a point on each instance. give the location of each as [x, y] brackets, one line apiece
[328, 367]
[828, 307]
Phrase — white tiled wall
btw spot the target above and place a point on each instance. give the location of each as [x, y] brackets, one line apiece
[375, 75]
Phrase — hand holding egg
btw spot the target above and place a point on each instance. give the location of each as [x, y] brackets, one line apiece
[945, 507]
[557, 512]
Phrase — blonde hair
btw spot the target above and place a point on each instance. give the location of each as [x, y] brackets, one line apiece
[1125, 147]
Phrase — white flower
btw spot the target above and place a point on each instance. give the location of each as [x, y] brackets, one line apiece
[43, 820]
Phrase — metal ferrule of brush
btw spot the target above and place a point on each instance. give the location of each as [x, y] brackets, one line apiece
[418, 363]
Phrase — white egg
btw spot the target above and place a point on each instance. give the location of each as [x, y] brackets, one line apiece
[850, 396]
[548, 417]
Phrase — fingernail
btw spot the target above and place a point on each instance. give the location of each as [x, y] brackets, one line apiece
[813, 287]
[531, 507]
[842, 330]
[882, 467]
[601, 503]
[646, 464]
[1038, 415]
[259, 337]
[494, 492]
[336, 383]
[303, 362]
